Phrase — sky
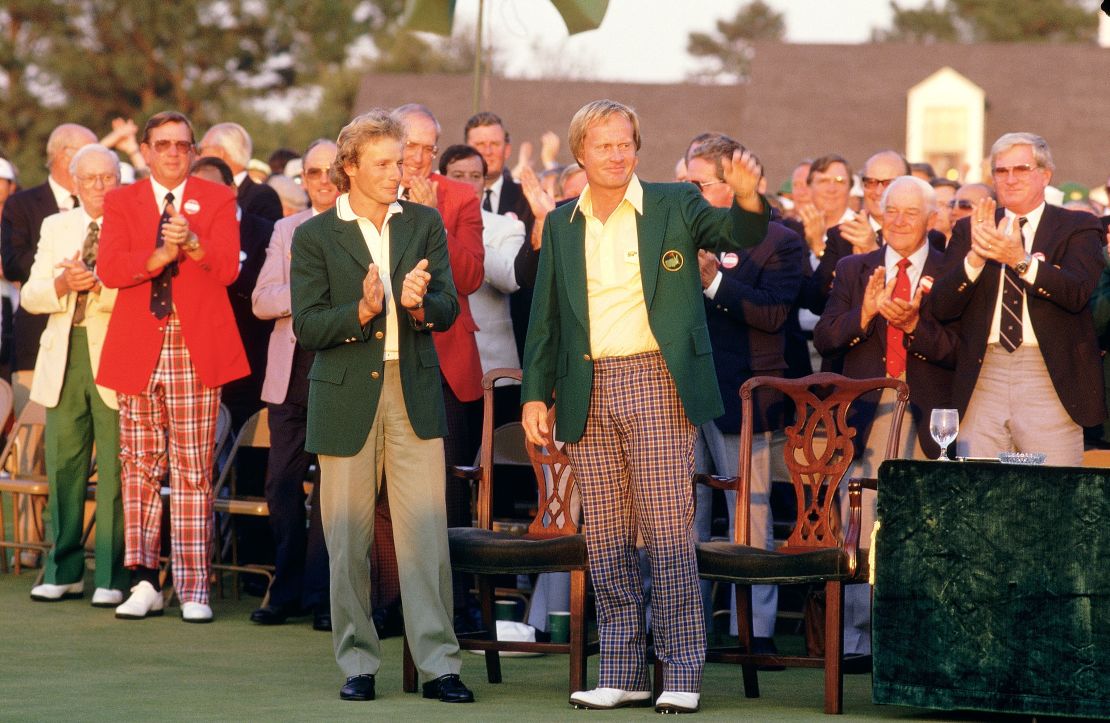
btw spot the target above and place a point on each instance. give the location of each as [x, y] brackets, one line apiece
[645, 40]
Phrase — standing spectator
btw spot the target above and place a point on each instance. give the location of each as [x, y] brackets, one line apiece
[231, 143]
[170, 244]
[300, 558]
[1019, 279]
[78, 412]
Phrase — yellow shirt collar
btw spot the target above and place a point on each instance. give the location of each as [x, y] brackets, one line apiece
[633, 194]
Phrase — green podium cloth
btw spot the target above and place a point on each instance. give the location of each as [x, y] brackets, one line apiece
[992, 588]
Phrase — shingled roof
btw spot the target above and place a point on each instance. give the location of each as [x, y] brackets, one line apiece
[805, 100]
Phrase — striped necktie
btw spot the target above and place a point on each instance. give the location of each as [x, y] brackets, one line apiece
[1010, 323]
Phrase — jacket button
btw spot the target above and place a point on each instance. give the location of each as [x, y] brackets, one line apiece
[379, 335]
[586, 357]
[374, 375]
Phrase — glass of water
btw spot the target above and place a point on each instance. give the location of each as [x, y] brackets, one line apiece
[944, 425]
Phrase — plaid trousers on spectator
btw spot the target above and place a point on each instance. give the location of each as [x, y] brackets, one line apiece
[634, 463]
[177, 408]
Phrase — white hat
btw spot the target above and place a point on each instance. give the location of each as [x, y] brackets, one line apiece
[6, 170]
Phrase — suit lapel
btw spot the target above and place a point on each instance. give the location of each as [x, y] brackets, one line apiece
[349, 238]
[400, 236]
[1041, 240]
[573, 255]
[650, 228]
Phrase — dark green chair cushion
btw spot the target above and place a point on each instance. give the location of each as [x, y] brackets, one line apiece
[743, 565]
[490, 553]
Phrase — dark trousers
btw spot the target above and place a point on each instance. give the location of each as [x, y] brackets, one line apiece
[300, 555]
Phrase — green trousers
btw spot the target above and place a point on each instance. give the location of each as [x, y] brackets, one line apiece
[81, 417]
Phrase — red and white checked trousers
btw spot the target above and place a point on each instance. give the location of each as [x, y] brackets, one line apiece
[177, 408]
[634, 464]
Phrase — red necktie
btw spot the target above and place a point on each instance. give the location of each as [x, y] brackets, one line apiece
[895, 352]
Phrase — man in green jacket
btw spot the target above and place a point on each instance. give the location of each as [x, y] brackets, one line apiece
[370, 281]
[617, 332]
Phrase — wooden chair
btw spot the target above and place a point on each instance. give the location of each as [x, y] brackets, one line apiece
[255, 434]
[23, 473]
[819, 452]
[553, 543]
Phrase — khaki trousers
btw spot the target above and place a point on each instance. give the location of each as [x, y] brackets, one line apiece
[349, 489]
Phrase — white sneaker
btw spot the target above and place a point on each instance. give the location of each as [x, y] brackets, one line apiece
[678, 703]
[54, 593]
[106, 598]
[194, 612]
[606, 698]
[144, 602]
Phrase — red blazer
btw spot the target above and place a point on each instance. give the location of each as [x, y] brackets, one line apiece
[456, 347]
[134, 339]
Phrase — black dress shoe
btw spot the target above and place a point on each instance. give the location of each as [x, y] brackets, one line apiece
[358, 687]
[321, 620]
[274, 615]
[449, 689]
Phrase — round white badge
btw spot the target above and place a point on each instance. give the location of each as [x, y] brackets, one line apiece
[191, 206]
[729, 260]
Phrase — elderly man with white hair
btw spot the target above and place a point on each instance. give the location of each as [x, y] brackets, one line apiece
[1019, 275]
[878, 318]
[231, 143]
[64, 287]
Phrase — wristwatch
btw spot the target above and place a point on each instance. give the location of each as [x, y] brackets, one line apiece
[1022, 266]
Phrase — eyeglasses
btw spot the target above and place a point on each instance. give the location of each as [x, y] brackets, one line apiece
[315, 173]
[163, 146]
[411, 147]
[106, 179]
[963, 204]
[872, 183]
[702, 185]
[830, 181]
[1019, 172]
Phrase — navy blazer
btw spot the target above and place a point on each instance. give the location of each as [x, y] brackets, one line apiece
[931, 349]
[1070, 243]
[747, 320]
[19, 239]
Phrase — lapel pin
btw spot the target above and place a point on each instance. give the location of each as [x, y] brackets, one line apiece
[191, 206]
[729, 260]
[672, 260]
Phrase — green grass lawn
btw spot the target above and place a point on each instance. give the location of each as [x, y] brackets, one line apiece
[70, 661]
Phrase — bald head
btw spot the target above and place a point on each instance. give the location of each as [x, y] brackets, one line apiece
[63, 143]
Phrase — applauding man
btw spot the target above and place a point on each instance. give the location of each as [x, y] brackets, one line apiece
[370, 281]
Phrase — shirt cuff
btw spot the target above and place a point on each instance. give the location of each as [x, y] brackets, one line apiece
[711, 290]
[972, 271]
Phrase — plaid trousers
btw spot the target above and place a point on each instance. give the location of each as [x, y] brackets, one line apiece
[177, 408]
[634, 463]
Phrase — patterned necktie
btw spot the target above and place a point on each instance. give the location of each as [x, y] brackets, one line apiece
[161, 286]
[895, 352]
[88, 255]
[486, 201]
[1010, 324]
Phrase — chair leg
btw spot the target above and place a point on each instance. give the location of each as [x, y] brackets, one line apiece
[3, 538]
[834, 647]
[750, 671]
[17, 533]
[408, 669]
[578, 630]
[493, 658]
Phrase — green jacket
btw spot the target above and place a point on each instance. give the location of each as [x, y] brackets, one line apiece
[676, 222]
[330, 259]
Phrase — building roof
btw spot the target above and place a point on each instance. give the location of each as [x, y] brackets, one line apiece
[804, 101]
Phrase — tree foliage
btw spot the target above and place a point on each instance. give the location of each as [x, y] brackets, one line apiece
[88, 61]
[997, 21]
[728, 52]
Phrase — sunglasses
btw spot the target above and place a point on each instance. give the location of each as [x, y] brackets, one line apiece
[962, 204]
[163, 146]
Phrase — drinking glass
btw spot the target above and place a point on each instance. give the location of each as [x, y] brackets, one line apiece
[944, 425]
